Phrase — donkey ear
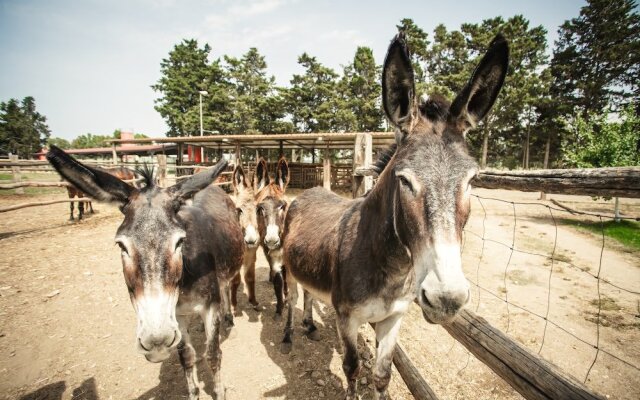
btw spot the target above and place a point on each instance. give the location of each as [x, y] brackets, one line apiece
[261, 176]
[96, 183]
[189, 187]
[282, 172]
[398, 88]
[476, 99]
[239, 179]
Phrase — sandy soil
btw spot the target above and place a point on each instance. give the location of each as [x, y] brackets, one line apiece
[67, 327]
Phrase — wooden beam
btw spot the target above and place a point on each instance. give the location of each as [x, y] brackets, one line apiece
[17, 175]
[526, 372]
[162, 170]
[326, 170]
[614, 182]
[42, 203]
[114, 154]
[416, 384]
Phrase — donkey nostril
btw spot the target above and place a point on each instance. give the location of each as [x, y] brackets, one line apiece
[425, 300]
[141, 345]
[175, 336]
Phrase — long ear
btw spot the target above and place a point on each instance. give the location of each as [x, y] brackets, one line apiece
[187, 188]
[476, 99]
[282, 172]
[239, 179]
[398, 88]
[96, 183]
[261, 176]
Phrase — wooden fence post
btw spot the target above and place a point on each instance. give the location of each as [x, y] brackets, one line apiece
[114, 154]
[362, 157]
[326, 170]
[162, 170]
[17, 175]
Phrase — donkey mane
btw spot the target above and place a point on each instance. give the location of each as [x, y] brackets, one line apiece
[147, 173]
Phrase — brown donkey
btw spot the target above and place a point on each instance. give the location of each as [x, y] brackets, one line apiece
[246, 208]
[271, 211]
[176, 257]
[371, 257]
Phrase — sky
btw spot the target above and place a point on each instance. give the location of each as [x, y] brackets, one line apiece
[90, 64]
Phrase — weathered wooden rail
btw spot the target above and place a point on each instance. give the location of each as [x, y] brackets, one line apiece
[613, 182]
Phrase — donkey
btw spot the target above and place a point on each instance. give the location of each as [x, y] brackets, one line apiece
[371, 257]
[175, 257]
[271, 210]
[244, 199]
[72, 191]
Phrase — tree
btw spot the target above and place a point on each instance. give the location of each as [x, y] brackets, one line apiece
[596, 61]
[60, 142]
[23, 130]
[361, 90]
[89, 140]
[184, 73]
[258, 106]
[418, 42]
[595, 142]
[313, 99]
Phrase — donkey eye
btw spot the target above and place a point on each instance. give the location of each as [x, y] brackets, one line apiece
[282, 206]
[179, 244]
[239, 211]
[123, 248]
[405, 182]
[260, 210]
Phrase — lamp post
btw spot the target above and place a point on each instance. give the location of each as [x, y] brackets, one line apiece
[202, 93]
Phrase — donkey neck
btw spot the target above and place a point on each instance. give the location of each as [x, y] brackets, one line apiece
[378, 210]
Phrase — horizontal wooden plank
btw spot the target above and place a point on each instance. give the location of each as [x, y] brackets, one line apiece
[526, 372]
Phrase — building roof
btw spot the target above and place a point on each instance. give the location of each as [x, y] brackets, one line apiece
[150, 148]
[270, 141]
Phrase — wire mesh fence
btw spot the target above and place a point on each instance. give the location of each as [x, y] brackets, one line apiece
[557, 286]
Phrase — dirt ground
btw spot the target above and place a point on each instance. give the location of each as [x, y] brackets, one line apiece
[67, 328]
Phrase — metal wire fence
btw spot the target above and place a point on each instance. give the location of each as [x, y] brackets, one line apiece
[552, 258]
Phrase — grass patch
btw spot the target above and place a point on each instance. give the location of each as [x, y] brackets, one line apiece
[606, 304]
[626, 232]
[37, 177]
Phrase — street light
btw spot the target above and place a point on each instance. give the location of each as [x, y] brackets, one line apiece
[202, 93]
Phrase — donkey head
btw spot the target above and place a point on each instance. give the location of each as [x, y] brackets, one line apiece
[271, 203]
[431, 172]
[246, 207]
[150, 238]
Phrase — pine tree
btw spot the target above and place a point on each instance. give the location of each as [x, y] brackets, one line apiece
[361, 88]
[23, 130]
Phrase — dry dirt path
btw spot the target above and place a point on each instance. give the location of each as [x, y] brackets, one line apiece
[67, 327]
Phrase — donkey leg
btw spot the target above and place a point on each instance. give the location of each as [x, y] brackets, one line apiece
[307, 317]
[80, 210]
[90, 206]
[386, 336]
[213, 354]
[348, 332]
[187, 355]
[275, 262]
[235, 283]
[225, 302]
[71, 211]
[292, 299]
[250, 276]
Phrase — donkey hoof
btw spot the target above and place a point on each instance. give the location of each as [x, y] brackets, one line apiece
[277, 317]
[314, 335]
[228, 321]
[285, 347]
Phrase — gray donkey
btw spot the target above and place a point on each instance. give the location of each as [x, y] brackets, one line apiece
[371, 257]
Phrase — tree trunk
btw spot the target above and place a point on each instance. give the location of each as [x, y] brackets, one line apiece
[485, 145]
[543, 195]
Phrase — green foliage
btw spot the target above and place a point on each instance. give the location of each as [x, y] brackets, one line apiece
[360, 89]
[60, 142]
[594, 141]
[89, 140]
[313, 100]
[257, 104]
[23, 130]
[418, 42]
[596, 59]
[184, 73]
